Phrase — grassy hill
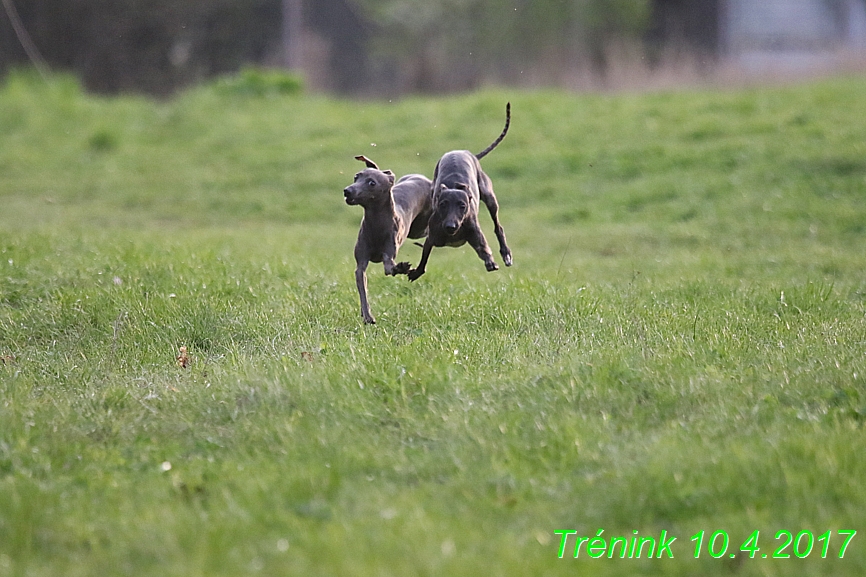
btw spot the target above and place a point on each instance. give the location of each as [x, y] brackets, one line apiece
[679, 346]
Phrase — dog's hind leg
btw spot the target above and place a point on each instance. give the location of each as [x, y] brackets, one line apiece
[485, 191]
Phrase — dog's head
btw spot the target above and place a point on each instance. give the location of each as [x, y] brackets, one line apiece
[452, 207]
[370, 185]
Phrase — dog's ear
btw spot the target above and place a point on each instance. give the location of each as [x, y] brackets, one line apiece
[390, 175]
[367, 161]
[462, 186]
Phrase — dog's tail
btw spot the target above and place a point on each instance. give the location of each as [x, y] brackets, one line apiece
[496, 142]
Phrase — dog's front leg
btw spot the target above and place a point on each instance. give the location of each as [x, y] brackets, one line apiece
[477, 241]
[399, 268]
[416, 273]
[393, 268]
[361, 281]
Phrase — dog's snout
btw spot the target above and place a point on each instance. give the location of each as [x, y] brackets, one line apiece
[349, 195]
[450, 227]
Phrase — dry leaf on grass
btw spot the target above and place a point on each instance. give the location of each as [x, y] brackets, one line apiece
[183, 358]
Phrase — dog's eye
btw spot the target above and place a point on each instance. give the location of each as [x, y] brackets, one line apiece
[371, 183]
[462, 206]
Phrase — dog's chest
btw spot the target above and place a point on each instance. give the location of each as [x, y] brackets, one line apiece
[379, 237]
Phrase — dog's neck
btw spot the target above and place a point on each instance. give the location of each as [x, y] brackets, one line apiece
[380, 205]
[381, 214]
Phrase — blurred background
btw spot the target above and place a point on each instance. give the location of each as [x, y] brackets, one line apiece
[394, 47]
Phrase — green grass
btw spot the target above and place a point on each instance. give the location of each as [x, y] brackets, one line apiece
[680, 346]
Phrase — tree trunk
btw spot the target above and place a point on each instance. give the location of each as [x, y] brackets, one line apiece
[293, 25]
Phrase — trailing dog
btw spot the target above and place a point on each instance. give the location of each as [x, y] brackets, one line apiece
[392, 212]
[458, 185]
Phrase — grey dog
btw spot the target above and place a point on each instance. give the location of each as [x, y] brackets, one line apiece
[392, 212]
[458, 185]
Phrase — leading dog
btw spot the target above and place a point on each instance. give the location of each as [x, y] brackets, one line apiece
[458, 186]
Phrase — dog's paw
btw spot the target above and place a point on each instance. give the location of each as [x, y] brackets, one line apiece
[414, 274]
[491, 266]
[401, 268]
[506, 257]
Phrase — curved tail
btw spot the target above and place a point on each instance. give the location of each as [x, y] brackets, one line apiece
[496, 142]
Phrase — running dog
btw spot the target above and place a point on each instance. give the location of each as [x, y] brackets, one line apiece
[392, 212]
[458, 186]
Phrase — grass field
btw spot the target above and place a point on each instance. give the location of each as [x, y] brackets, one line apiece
[680, 346]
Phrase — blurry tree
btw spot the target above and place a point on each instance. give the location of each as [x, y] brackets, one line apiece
[452, 44]
[145, 45]
[689, 28]
[158, 46]
[293, 29]
[347, 32]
